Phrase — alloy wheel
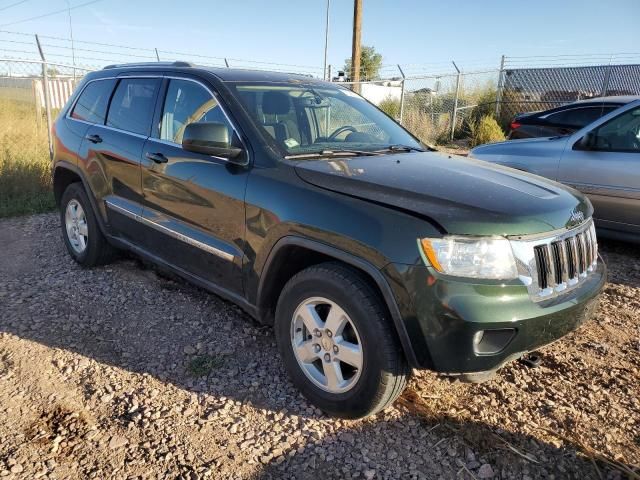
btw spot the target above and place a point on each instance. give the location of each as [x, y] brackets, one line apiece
[76, 226]
[326, 345]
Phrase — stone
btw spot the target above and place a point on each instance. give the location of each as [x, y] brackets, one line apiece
[117, 442]
[485, 471]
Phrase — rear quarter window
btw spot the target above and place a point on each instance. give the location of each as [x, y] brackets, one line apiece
[93, 101]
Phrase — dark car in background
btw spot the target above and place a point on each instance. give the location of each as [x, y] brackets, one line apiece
[318, 214]
[566, 119]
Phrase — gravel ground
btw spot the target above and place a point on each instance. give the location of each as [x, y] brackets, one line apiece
[118, 372]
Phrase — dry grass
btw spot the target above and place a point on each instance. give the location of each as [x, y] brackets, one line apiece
[25, 168]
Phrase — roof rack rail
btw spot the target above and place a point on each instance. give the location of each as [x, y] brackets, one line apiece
[151, 64]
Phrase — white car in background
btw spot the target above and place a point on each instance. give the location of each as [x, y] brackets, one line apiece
[602, 160]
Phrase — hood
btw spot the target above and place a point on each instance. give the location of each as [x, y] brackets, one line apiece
[520, 145]
[459, 195]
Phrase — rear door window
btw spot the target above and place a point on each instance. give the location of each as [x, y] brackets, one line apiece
[579, 117]
[93, 101]
[132, 105]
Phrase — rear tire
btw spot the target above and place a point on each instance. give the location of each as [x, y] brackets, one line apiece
[80, 231]
[323, 363]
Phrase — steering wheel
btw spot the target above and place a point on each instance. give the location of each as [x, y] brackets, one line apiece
[338, 131]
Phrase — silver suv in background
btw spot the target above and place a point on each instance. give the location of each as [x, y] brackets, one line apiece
[601, 160]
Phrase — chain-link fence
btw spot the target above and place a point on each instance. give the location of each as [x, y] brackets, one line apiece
[436, 108]
[532, 89]
[440, 108]
[31, 95]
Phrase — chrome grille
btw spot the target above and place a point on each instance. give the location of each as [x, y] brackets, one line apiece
[554, 263]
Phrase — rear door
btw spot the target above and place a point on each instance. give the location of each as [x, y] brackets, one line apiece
[194, 203]
[609, 171]
[112, 153]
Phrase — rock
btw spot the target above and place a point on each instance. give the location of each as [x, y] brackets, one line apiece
[485, 471]
[369, 474]
[189, 350]
[17, 468]
[117, 442]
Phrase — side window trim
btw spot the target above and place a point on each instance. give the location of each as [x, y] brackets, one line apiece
[162, 93]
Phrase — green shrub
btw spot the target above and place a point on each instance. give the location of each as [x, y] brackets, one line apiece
[485, 130]
[390, 106]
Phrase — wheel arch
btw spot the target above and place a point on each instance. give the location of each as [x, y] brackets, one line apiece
[64, 174]
[291, 254]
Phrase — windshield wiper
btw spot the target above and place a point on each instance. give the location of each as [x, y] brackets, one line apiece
[332, 153]
[402, 148]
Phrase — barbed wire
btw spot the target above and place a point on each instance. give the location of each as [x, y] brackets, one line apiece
[86, 52]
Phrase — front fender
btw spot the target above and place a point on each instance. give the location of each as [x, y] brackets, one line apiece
[376, 275]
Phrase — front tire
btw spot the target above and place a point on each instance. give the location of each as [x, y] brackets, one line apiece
[337, 342]
[82, 236]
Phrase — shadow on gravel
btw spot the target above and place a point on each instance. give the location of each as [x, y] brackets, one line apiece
[626, 257]
[440, 448]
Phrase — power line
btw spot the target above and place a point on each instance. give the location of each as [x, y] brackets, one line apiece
[13, 5]
[64, 10]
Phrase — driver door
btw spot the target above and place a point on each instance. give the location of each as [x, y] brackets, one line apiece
[608, 171]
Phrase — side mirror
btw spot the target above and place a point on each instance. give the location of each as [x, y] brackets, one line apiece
[587, 142]
[211, 138]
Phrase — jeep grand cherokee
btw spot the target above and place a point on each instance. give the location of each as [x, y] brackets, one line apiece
[314, 211]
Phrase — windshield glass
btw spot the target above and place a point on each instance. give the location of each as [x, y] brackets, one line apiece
[305, 119]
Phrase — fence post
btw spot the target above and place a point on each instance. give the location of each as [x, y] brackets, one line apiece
[500, 88]
[404, 78]
[157, 55]
[47, 100]
[329, 73]
[607, 78]
[454, 113]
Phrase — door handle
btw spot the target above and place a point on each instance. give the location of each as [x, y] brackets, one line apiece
[94, 138]
[156, 157]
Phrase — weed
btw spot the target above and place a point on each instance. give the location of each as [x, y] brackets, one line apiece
[203, 365]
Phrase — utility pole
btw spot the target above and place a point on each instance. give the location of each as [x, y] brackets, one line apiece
[73, 47]
[325, 72]
[355, 46]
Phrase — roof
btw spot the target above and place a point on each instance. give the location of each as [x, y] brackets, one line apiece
[621, 99]
[224, 74]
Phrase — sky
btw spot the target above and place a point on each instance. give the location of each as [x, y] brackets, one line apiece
[474, 33]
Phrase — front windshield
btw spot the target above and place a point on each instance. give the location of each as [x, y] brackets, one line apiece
[305, 119]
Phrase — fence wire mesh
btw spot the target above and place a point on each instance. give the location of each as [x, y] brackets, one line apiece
[435, 107]
[532, 89]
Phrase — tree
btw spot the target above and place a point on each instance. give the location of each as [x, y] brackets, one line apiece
[370, 63]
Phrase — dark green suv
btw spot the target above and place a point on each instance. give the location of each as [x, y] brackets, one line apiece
[307, 206]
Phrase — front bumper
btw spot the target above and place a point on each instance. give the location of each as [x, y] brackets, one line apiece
[447, 319]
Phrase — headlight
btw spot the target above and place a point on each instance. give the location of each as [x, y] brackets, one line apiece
[479, 257]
